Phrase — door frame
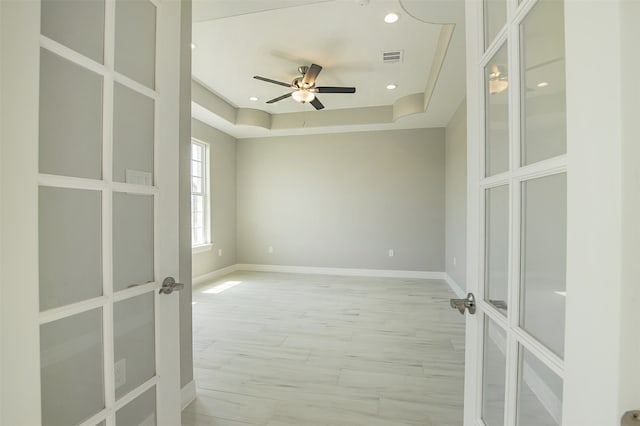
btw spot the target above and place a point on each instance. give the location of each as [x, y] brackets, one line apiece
[603, 211]
[19, 303]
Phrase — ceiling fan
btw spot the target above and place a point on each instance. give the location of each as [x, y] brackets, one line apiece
[305, 88]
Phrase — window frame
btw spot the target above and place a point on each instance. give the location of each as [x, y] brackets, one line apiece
[205, 194]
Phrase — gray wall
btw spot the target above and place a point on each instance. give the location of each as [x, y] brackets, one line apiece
[343, 200]
[456, 196]
[222, 153]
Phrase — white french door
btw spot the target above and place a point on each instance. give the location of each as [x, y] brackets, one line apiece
[553, 214]
[518, 212]
[99, 182]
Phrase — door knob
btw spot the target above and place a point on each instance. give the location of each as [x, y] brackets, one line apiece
[169, 285]
[468, 303]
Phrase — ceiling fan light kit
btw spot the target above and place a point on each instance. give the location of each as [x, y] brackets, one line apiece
[305, 88]
[303, 96]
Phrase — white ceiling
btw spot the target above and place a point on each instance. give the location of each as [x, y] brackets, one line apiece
[237, 39]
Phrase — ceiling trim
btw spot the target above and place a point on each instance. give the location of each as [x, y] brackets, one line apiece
[408, 105]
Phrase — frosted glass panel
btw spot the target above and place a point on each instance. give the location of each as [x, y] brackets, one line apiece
[539, 393]
[136, 40]
[497, 246]
[497, 106]
[493, 374]
[78, 25]
[71, 369]
[544, 127]
[140, 411]
[134, 332]
[544, 253]
[70, 246]
[70, 119]
[132, 240]
[495, 17]
[133, 133]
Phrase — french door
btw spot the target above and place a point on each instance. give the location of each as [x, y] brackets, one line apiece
[554, 212]
[99, 183]
[518, 202]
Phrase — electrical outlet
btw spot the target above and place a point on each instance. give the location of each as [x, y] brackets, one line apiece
[219, 252]
[391, 253]
[120, 371]
[455, 261]
[270, 249]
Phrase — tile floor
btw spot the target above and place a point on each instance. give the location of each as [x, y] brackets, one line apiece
[303, 350]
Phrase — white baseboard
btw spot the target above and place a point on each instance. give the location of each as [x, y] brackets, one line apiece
[386, 273]
[211, 276]
[454, 286]
[188, 393]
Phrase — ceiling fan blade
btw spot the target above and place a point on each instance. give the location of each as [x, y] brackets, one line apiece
[311, 75]
[317, 104]
[279, 98]
[325, 89]
[268, 80]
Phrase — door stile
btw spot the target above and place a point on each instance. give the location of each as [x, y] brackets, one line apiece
[475, 166]
[19, 328]
[167, 160]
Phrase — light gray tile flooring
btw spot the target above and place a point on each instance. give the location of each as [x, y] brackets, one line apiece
[305, 350]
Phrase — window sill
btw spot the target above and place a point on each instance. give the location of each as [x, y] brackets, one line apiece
[201, 248]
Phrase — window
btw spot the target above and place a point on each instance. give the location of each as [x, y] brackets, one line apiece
[200, 204]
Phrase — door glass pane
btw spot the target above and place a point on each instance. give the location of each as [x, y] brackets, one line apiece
[493, 374]
[133, 133]
[497, 246]
[139, 412]
[543, 77]
[71, 368]
[135, 54]
[70, 118]
[78, 25]
[70, 246]
[497, 111]
[134, 346]
[133, 241]
[495, 16]
[539, 393]
[543, 269]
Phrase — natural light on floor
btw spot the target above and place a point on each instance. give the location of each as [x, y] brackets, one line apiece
[222, 287]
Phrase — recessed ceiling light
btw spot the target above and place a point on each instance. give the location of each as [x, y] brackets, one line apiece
[193, 46]
[253, 98]
[543, 84]
[391, 86]
[391, 18]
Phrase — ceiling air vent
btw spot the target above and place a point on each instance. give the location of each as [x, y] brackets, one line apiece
[392, 56]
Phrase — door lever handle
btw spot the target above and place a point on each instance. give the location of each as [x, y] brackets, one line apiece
[169, 285]
[468, 303]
